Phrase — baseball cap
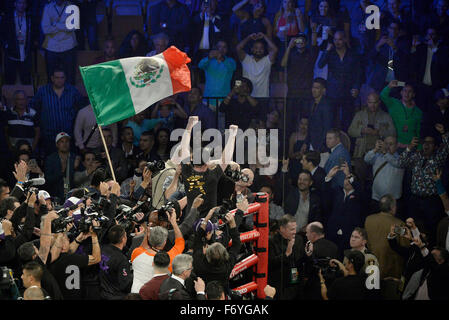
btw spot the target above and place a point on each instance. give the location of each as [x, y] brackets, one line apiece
[61, 135]
[72, 201]
[302, 35]
[45, 194]
[209, 227]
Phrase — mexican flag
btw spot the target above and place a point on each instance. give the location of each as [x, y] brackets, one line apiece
[122, 88]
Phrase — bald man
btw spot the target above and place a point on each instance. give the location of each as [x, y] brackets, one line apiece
[33, 293]
[369, 125]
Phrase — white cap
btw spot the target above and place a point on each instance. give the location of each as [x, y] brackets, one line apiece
[43, 193]
[61, 135]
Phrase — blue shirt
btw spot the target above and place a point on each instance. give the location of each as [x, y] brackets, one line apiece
[57, 114]
[218, 76]
[147, 124]
[205, 115]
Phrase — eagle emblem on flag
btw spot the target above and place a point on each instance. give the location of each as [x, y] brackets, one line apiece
[146, 72]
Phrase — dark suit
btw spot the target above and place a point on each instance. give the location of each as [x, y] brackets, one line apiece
[379, 64]
[180, 292]
[431, 117]
[345, 216]
[292, 202]
[54, 177]
[280, 266]
[334, 160]
[214, 35]
[318, 179]
[320, 120]
[8, 37]
[439, 67]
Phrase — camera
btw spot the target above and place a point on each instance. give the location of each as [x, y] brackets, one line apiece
[59, 225]
[328, 272]
[236, 175]
[161, 215]
[221, 212]
[88, 218]
[399, 230]
[155, 166]
[127, 215]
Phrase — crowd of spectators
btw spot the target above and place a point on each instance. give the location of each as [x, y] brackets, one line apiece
[363, 140]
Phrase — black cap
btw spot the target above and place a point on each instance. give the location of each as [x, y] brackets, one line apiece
[356, 258]
[302, 35]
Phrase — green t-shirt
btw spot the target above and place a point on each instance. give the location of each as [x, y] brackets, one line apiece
[407, 121]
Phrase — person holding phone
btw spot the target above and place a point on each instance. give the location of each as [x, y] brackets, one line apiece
[405, 113]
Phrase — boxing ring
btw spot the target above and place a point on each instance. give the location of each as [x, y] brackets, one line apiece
[259, 259]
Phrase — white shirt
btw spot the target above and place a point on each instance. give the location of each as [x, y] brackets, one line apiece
[302, 212]
[389, 178]
[21, 33]
[57, 37]
[427, 74]
[313, 171]
[142, 270]
[204, 43]
[259, 74]
[179, 279]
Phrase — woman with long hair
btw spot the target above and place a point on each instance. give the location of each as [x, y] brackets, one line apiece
[162, 144]
[134, 45]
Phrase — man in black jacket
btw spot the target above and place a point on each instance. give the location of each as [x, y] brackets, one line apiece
[174, 288]
[303, 204]
[310, 162]
[431, 67]
[317, 247]
[17, 31]
[116, 276]
[284, 255]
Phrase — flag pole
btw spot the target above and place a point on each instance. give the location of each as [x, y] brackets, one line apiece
[107, 153]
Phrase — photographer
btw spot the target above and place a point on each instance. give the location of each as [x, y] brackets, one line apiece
[186, 226]
[66, 269]
[155, 239]
[211, 260]
[284, 256]
[351, 285]
[116, 275]
[411, 254]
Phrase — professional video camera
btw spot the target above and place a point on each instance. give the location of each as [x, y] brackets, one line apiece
[155, 166]
[236, 175]
[127, 215]
[328, 272]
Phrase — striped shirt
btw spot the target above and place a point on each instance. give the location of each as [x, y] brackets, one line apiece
[22, 126]
[57, 113]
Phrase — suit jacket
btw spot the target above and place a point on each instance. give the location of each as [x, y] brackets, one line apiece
[439, 67]
[216, 29]
[292, 202]
[431, 117]
[180, 292]
[318, 180]
[379, 64]
[378, 226]
[320, 120]
[334, 160]
[9, 38]
[54, 177]
[345, 216]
